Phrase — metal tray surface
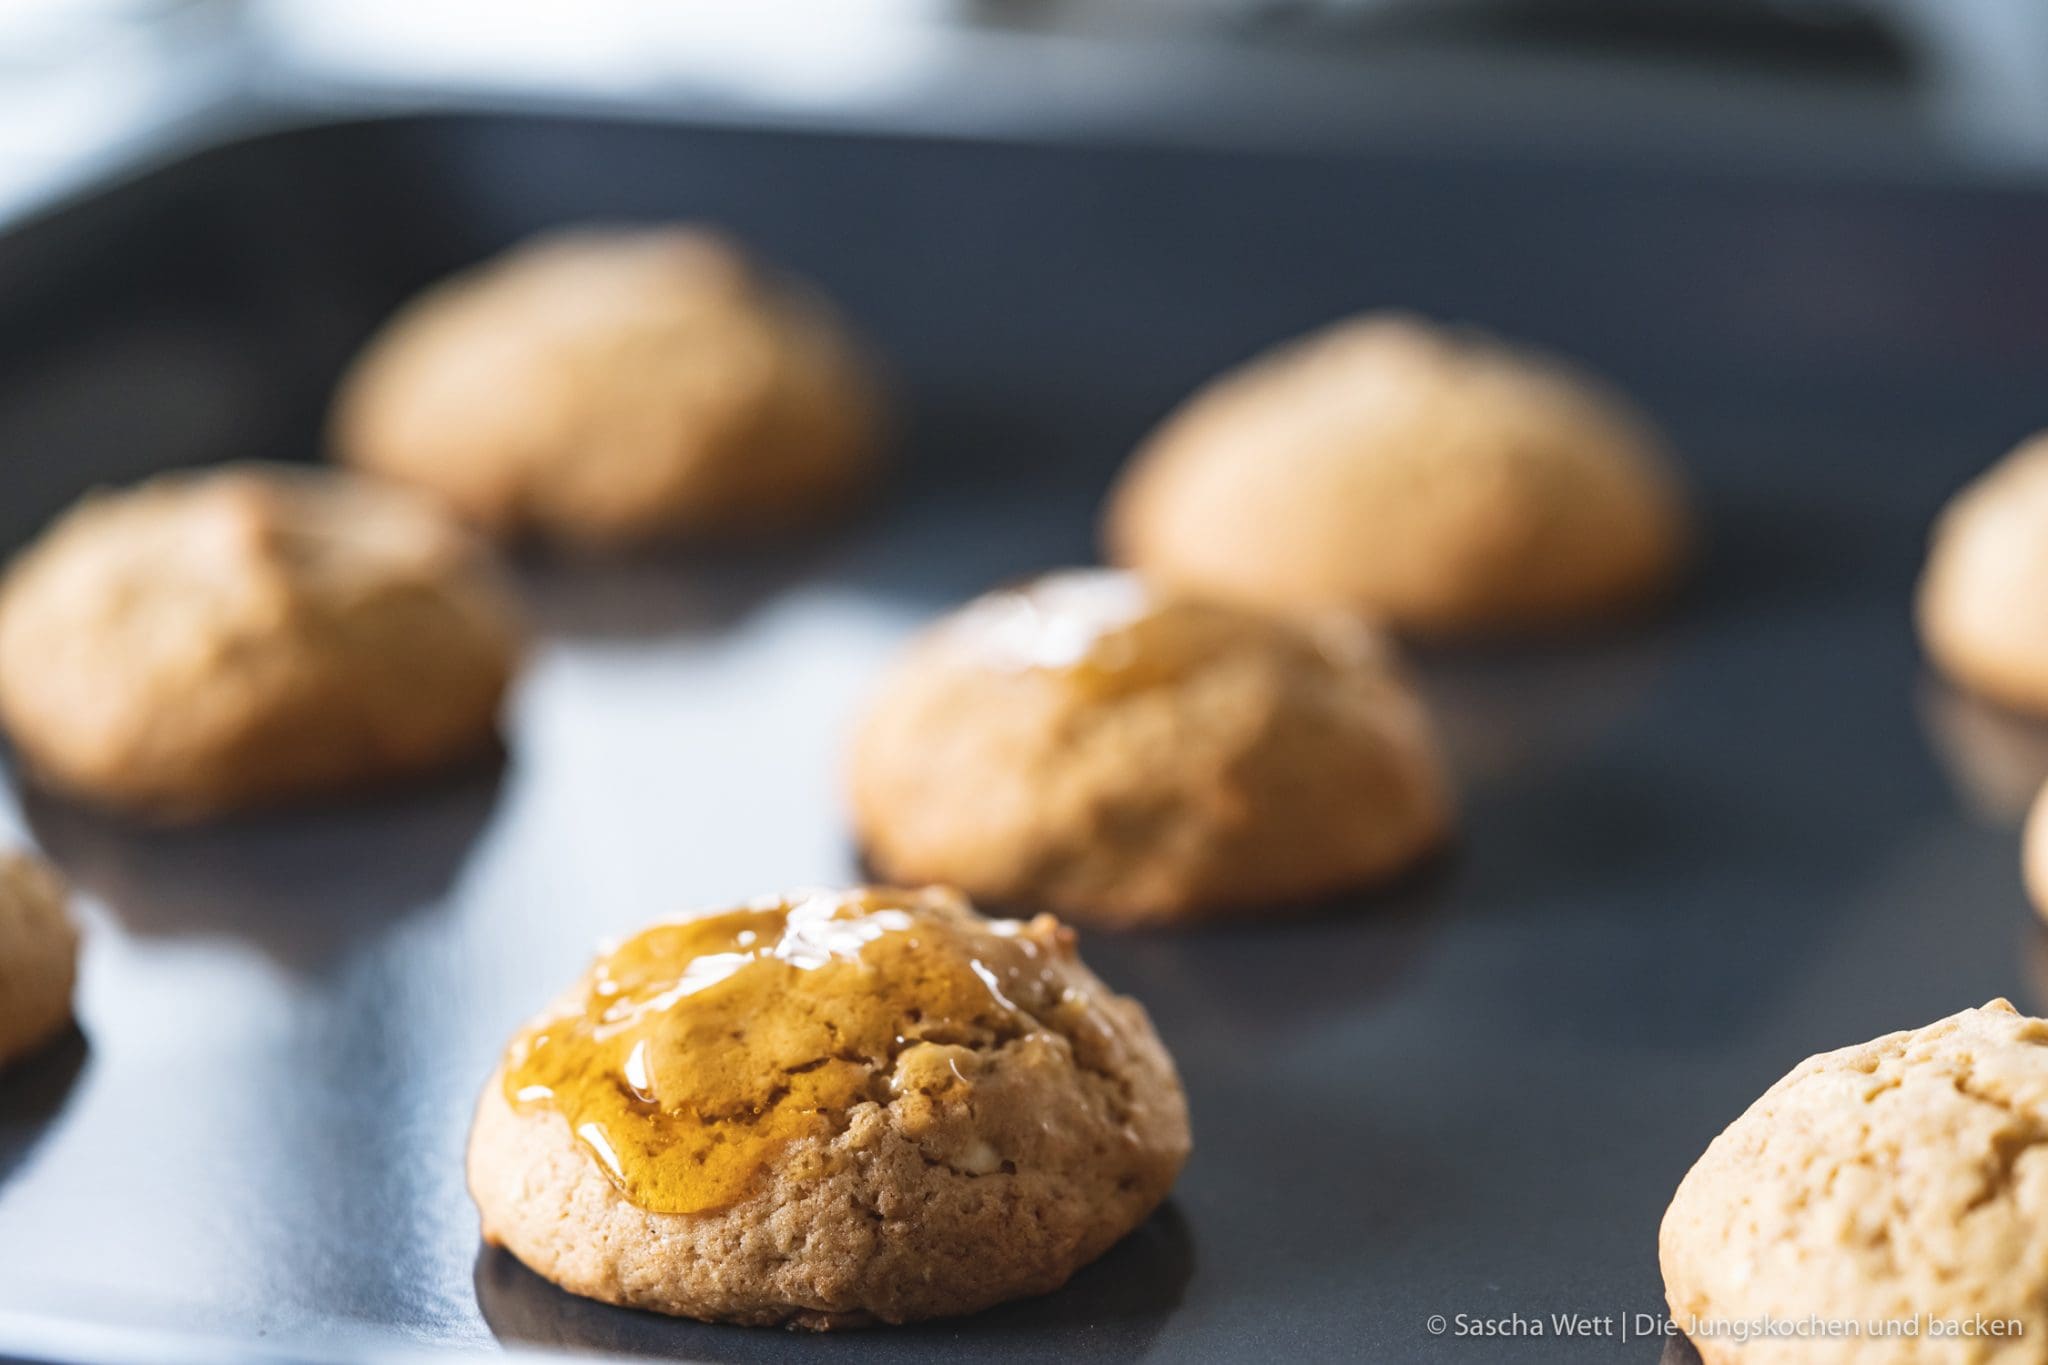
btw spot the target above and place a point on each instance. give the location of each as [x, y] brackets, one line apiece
[1693, 851]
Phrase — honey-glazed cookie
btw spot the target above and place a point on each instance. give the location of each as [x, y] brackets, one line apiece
[828, 1111]
[1124, 755]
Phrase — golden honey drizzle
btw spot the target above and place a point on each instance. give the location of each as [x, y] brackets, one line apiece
[697, 1049]
[1100, 630]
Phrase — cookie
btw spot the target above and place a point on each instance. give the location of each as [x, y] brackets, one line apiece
[2034, 852]
[1903, 1179]
[612, 386]
[223, 640]
[825, 1111]
[1128, 756]
[38, 956]
[1432, 479]
[1983, 600]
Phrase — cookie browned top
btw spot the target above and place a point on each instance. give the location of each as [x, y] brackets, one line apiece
[828, 1108]
[38, 955]
[615, 385]
[1124, 754]
[1433, 479]
[1903, 1178]
[226, 638]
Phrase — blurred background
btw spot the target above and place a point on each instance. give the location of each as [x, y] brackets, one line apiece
[1946, 82]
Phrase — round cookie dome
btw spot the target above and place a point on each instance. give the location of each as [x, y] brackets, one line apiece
[607, 386]
[38, 955]
[828, 1110]
[2034, 852]
[1983, 599]
[226, 639]
[1903, 1178]
[1123, 755]
[1432, 479]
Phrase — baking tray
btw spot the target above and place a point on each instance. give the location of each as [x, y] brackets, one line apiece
[1693, 852]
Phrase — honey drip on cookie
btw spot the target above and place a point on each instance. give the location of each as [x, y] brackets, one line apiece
[1100, 630]
[694, 1052]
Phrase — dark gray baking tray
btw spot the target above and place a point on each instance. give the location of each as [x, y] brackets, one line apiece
[1694, 851]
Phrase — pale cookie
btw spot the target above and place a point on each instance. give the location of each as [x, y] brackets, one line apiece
[614, 386]
[212, 641]
[827, 1111]
[1901, 1181]
[1090, 745]
[38, 956]
[1983, 603]
[1431, 479]
[2034, 853]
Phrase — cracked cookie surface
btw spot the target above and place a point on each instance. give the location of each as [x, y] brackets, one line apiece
[1903, 1178]
[610, 386]
[248, 635]
[826, 1111]
[1125, 755]
[38, 955]
[1428, 477]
